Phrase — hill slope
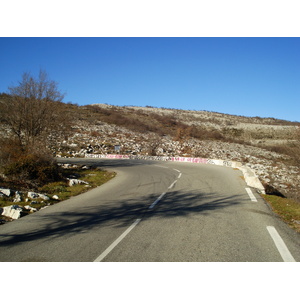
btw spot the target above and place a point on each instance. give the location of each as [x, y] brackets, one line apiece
[267, 145]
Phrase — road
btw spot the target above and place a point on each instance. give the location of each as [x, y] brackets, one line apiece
[155, 212]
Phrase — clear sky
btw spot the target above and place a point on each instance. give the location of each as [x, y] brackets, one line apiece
[240, 76]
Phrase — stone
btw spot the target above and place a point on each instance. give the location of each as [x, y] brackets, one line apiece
[6, 192]
[55, 197]
[33, 195]
[76, 181]
[31, 209]
[17, 197]
[44, 197]
[12, 211]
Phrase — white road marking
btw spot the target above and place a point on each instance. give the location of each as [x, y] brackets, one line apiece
[252, 197]
[116, 242]
[282, 248]
[156, 201]
[176, 170]
[123, 235]
[172, 184]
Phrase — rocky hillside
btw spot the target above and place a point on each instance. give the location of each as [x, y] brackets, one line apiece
[269, 146]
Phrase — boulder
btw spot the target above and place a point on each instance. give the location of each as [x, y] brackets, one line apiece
[12, 211]
[33, 195]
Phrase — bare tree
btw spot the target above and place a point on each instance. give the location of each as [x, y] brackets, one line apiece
[154, 142]
[32, 109]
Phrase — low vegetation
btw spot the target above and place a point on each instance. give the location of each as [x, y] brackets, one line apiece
[287, 209]
[94, 177]
[58, 190]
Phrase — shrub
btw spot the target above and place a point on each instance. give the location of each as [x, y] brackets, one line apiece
[32, 170]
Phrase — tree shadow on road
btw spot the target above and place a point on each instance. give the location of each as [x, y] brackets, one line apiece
[65, 223]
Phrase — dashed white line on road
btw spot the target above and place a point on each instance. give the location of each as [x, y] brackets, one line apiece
[116, 242]
[178, 172]
[156, 201]
[281, 247]
[123, 235]
[172, 184]
[252, 197]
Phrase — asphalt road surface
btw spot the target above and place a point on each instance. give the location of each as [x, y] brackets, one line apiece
[155, 212]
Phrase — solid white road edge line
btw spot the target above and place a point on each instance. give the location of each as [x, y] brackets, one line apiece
[252, 197]
[116, 242]
[282, 248]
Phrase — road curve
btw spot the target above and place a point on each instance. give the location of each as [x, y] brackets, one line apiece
[155, 211]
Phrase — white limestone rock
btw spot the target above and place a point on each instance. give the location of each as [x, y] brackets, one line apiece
[76, 181]
[33, 195]
[6, 192]
[17, 197]
[31, 209]
[12, 211]
[44, 197]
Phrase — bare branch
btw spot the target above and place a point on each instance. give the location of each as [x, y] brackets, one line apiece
[32, 109]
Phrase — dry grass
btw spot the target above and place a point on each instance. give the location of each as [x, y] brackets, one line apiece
[287, 209]
[94, 177]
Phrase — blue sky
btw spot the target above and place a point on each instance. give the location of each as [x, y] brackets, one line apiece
[240, 76]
